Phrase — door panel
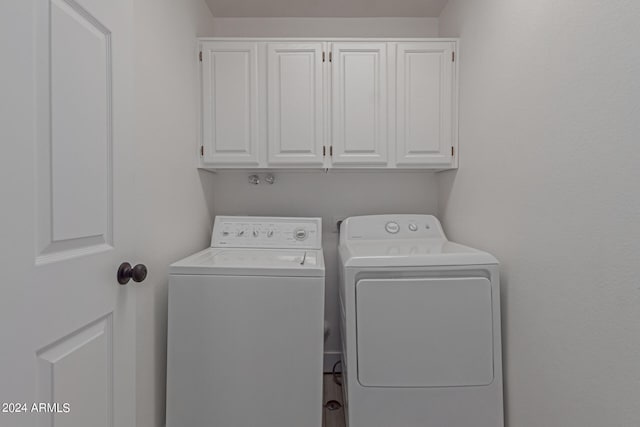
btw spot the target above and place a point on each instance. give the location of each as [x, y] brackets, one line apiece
[78, 370]
[424, 103]
[429, 332]
[67, 327]
[75, 148]
[295, 119]
[230, 103]
[359, 103]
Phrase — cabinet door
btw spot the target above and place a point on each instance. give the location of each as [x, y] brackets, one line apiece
[230, 103]
[294, 94]
[425, 103]
[359, 104]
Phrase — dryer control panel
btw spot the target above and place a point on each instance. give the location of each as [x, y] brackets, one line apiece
[267, 232]
[384, 227]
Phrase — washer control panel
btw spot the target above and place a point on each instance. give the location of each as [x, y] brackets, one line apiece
[267, 232]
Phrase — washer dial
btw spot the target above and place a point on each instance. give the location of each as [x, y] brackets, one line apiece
[300, 234]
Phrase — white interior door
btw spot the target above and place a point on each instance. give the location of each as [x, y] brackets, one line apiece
[359, 104]
[425, 108]
[294, 93]
[67, 327]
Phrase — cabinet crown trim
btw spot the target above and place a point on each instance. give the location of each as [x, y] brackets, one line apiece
[328, 39]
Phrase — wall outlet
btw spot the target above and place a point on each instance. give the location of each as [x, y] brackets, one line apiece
[337, 219]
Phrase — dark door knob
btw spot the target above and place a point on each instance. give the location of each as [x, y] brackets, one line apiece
[126, 273]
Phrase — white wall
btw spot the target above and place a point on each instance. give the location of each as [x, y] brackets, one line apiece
[326, 195]
[548, 181]
[325, 27]
[174, 217]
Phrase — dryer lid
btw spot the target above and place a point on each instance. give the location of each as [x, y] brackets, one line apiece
[402, 240]
[411, 253]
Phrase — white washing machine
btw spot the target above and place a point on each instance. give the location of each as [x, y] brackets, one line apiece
[246, 327]
[420, 323]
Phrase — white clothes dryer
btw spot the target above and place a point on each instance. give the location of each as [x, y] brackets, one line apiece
[420, 324]
[246, 327]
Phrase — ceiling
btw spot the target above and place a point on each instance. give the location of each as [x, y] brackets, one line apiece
[326, 8]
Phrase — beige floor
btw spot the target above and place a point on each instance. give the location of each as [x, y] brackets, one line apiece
[332, 391]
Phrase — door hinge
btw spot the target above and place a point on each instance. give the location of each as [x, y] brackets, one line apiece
[324, 150]
[330, 56]
[202, 150]
[200, 56]
[452, 151]
[453, 56]
[331, 150]
[322, 56]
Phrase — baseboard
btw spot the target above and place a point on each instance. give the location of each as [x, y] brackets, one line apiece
[330, 359]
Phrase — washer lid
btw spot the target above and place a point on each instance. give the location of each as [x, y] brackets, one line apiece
[410, 253]
[252, 262]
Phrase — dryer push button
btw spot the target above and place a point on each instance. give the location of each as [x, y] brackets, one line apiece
[392, 227]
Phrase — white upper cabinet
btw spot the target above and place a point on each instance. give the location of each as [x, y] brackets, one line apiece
[230, 103]
[295, 82]
[425, 113]
[329, 103]
[359, 103]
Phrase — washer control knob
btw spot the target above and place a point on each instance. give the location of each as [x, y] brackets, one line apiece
[270, 233]
[300, 234]
[240, 233]
[392, 227]
[413, 227]
[255, 233]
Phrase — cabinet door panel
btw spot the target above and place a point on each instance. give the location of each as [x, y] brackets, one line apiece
[230, 103]
[359, 103]
[294, 93]
[425, 109]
